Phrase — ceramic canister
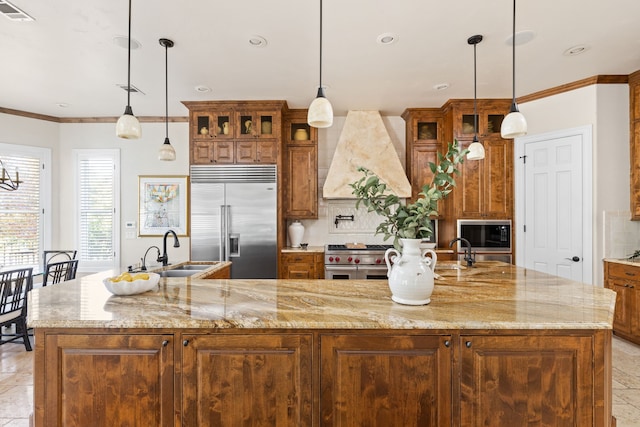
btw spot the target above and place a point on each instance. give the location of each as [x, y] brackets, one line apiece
[296, 232]
[301, 135]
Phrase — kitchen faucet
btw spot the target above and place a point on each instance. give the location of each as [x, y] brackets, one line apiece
[176, 244]
[144, 258]
[471, 259]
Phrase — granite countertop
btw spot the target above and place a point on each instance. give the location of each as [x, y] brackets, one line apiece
[492, 295]
[635, 262]
[312, 249]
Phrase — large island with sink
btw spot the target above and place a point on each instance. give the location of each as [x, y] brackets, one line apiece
[498, 346]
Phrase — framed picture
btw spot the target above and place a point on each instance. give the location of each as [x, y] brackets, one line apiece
[163, 205]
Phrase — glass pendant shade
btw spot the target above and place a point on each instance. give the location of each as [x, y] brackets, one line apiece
[167, 152]
[514, 125]
[128, 126]
[476, 151]
[320, 114]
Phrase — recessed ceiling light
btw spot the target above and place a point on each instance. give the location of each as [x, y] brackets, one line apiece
[123, 42]
[203, 89]
[387, 38]
[62, 104]
[257, 41]
[522, 37]
[576, 50]
[441, 86]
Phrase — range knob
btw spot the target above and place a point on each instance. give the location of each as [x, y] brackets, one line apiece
[378, 261]
[330, 259]
[357, 260]
[337, 259]
[350, 259]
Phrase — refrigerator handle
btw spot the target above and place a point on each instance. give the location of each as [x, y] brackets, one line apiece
[225, 236]
[223, 233]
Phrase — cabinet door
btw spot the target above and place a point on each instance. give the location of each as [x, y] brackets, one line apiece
[108, 380]
[301, 188]
[624, 299]
[267, 152]
[224, 152]
[206, 125]
[245, 152]
[469, 192]
[202, 152]
[498, 178]
[257, 124]
[264, 380]
[525, 380]
[385, 380]
[421, 174]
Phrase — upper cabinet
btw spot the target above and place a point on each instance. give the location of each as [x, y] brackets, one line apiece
[300, 166]
[228, 132]
[634, 127]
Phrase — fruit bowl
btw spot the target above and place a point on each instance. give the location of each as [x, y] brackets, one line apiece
[119, 286]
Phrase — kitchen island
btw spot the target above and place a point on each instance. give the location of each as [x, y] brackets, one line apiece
[498, 346]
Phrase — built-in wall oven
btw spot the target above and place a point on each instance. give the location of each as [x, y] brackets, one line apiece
[490, 238]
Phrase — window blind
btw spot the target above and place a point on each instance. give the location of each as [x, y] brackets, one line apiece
[20, 213]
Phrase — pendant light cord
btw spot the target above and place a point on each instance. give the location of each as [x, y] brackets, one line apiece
[513, 54]
[129, 62]
[320, 44]
[166, 88]
[475, 96]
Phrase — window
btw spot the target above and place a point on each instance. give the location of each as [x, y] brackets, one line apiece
[97, 173]
[24, 230]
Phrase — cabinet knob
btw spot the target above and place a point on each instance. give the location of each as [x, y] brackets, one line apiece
[165, 343]
[447, 343]
[185, 343]
[468, 344]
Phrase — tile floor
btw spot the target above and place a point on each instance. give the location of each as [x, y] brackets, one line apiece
[16, 384]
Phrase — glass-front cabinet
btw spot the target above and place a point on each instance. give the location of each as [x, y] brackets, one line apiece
[207, 125]
[257, 124]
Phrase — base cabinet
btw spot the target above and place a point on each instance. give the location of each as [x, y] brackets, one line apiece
[346, 378]
[624, 279]
[298, 265]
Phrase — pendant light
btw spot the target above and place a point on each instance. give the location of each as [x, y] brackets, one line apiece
[167, 152]
[320, 114]
[514, 125]
[476, 149]
[128, 126]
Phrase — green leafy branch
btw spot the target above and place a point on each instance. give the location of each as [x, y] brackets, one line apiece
[413, 220]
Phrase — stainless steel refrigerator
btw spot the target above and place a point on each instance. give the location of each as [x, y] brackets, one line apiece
[234, 218]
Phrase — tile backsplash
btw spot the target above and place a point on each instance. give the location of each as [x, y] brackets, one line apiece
[621, 235]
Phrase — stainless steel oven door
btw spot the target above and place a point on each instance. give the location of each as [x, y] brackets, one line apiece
[372, 272]
[340, 272]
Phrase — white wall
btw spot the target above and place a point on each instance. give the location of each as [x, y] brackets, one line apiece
[606, 109]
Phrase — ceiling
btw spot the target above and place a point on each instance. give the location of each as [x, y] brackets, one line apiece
[67, 55]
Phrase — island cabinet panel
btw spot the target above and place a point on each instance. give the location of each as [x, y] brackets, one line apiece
[107, 380]
[385, 380]
[527, 380]
[263, 380]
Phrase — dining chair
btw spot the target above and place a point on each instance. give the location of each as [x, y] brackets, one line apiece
[56, 272]
[14, 287]
[55, 255]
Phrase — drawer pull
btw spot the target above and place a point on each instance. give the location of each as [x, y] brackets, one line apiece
[447, 343]
[468, 344]
[185, 343]
[165, 343]
[629, 274]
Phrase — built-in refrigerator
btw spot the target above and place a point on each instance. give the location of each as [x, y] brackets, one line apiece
[234, 218]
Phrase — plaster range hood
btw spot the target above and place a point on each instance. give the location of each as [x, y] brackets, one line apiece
[364, 141]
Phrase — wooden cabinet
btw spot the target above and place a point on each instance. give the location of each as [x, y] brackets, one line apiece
[228, 132]
[634, 143]
[106, 380]
[385, 380]
[424, 134]
[264, 380]
[625, 281]
[485, 187]
[520, 380]
[221, 273]
[300, 167]
[338, 377]
[302, 265]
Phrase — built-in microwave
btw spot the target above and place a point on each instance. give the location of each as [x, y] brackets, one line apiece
[490, 235]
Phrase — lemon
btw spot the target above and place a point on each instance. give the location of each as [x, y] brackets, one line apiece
[141, 276]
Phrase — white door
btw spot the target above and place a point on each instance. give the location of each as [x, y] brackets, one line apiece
[554, 222]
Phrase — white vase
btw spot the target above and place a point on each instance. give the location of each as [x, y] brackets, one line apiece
[296, 232]
[410, 273]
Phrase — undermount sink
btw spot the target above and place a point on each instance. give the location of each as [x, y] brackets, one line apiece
[178, 273]
[197, 267]
[450, 267]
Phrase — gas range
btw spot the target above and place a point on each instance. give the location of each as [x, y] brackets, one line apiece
[355, 261]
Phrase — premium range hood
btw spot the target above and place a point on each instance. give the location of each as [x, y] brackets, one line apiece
[364, 141]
